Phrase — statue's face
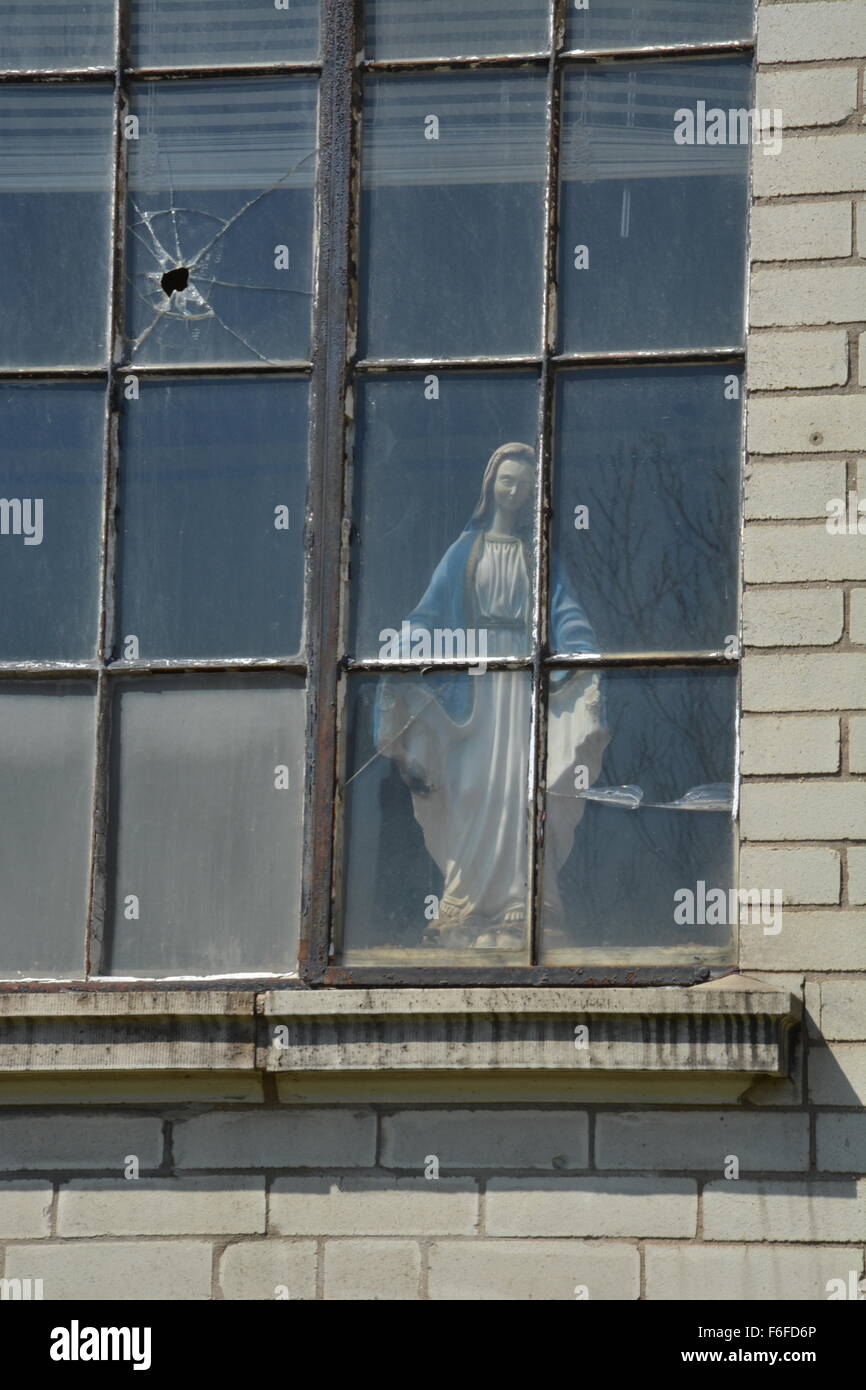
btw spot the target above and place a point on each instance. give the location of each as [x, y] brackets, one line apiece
[513, 486]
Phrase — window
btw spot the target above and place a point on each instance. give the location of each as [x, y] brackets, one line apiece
[371, 382]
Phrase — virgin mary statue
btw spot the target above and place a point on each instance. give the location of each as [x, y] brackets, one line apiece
[461, 738]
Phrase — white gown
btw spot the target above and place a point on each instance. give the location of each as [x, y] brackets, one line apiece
[470, 781]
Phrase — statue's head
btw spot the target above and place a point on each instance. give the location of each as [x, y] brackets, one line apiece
[509, 484]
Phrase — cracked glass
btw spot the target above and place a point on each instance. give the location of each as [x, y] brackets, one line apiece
[190, 33]
[47, 732]
[639, 809]
[55, 181]
[211, 518]
[51, 442]
[213, 764]
[220, 221]
[646, 505]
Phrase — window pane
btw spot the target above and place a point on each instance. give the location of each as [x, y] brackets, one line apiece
[187, 32]
[638, 23]
[55, 176]
[640, 771]
[646, 507]
[220, 244]
[436, 542]
[46, 789]
[51, 453]
[653, 232]
[56, 34]
[452, 214]
[211, 520]
[418, 29]
[215, 765]
[437, 820]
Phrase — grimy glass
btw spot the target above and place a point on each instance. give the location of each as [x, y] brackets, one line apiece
[301, 275]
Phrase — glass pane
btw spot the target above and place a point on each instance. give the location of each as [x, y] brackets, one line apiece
[188, 33]
[452, 214]
[444, 514]
[211, 519]
[638, 23]
[46, 789]
[55, 176]
[640, 773]
[51, 454]
[437, 818]
[646, 507]
[419, 29]
[215, 765]
[653, 232]
[56, 34]
[220, 244]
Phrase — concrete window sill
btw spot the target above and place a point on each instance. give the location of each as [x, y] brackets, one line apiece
[718, 1037]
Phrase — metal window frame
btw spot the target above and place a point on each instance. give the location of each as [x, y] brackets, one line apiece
[332, 370]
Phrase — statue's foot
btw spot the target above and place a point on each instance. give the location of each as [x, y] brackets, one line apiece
[510, 940]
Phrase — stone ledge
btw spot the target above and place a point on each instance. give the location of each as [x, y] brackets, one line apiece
[735, 1027]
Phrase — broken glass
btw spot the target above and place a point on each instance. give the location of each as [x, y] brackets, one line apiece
[60, 35]
[220, 220]
[55, 177]
[422, 445]
[613, 863]
[46, 787]
[51, 458]
[452, 214]
[215, 764]
[640, 23]
[437, 825]
[179, 33]
[211, 518]
[652, 247]
[417, 29]
[646, 504]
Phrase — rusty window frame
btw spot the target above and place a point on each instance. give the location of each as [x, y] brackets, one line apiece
[331, 370]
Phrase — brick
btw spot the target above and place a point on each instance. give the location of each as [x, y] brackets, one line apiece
[800, 231]
[781, 424]
[843, 1009]
[791, 617]
[373, 1206]
[861, 226]
[804, 682]
[486, 1139]
[129, 1271]
[702, 1139]
[162, 1206]
[287, 1138]
[814, 357]
[857, 743]
[857, 630]
[591, 1206]
[857, 874]
[835, 294]
[817, 96]
[78, 1141]
[267, 1269]
[810, 164]
[803, 810]
[841, 1143]
[788, 743]
[837, 1074]
[372, 1270]
[787, 491]
[781, 1211]
[747, 1272]
[805, 875]
[834, 940]
[543, 1270]
[786, 554]
[861, 348]
[803, 33]
[25, 1209]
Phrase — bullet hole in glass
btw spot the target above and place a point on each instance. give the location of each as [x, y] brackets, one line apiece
[176, 279]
